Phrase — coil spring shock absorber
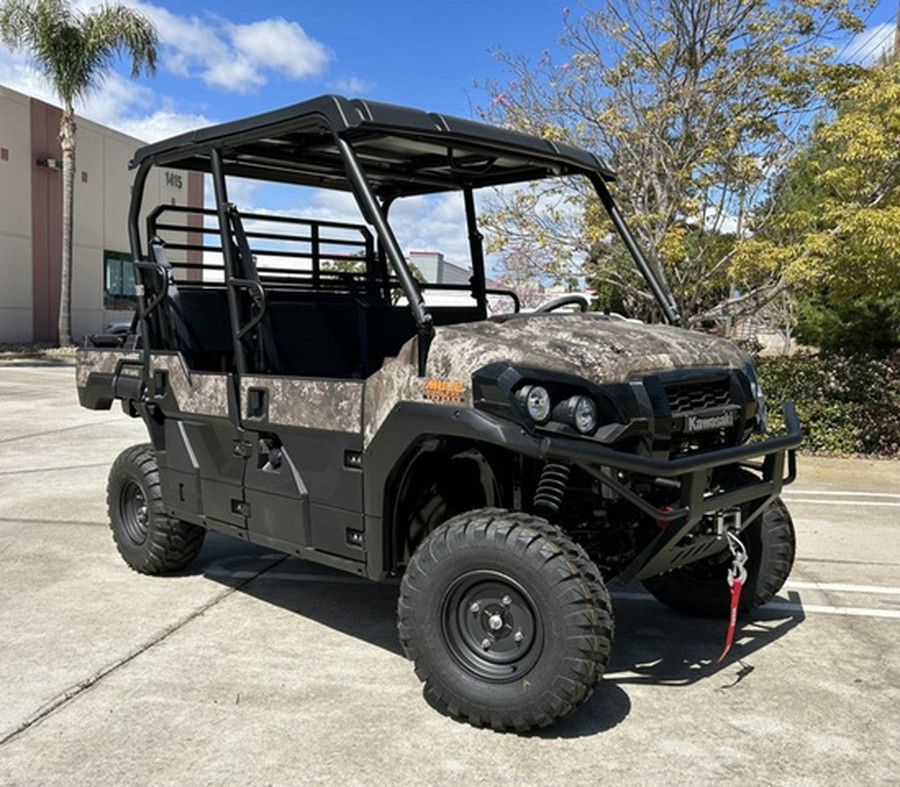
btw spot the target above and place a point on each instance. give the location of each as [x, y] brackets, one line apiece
[550, 489]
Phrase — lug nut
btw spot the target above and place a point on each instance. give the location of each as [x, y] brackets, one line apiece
[518, 636]
[474, 608]
[506, 601]
[486, 643]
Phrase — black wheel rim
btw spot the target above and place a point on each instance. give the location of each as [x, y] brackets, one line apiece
[133, 512]
[711, 570]
[491, 626]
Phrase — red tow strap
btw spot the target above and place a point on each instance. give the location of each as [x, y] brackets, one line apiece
[737, 575]
[732, 620]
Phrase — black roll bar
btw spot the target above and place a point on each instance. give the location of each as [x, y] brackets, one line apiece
[232, 278]
[652, 277]
[476, 251]
[374, 214]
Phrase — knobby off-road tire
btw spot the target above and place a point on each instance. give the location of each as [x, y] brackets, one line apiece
[150, 541]
[507, 620]
[701, 589]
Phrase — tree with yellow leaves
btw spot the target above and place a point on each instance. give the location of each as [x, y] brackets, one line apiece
[835, 214]
[695, 103]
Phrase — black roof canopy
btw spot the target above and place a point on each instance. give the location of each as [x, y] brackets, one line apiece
[402, 150]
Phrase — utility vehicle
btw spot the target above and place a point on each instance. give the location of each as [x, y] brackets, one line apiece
[303, 389]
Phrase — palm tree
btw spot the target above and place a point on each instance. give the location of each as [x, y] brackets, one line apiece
[75, 51]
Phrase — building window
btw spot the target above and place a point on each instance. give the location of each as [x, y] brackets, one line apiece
[118, 281]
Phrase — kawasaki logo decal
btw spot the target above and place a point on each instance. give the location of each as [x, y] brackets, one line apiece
[703, 423]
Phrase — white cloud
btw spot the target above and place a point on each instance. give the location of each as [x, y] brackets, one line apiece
[236, 75]
[281, 46]
[326, 205]
[242, 57]
[118, 102]
[433, 223]
[352, 86]
[161, 124]
[17, 74]
[235, 57]
[870, 45]
[114, 99]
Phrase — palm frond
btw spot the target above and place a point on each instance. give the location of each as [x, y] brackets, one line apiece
[77, 50]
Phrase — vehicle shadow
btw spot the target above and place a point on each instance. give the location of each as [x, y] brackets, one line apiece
[351, 605]
[654, 646]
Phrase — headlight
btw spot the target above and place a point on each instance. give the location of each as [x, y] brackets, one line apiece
[585, 414]
[578, 411]
[553, 403]
[537, 402]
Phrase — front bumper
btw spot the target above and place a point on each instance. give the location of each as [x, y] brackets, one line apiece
[411, 423]
[692, 475]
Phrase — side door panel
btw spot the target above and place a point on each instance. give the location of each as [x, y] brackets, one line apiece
[303, 485]
[203, 464]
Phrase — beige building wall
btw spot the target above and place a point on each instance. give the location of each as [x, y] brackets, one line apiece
[30, 220]
[15, 217]
[91, 183]
[102, 193]
[102, 196]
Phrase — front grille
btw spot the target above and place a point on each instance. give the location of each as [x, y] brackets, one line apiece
[686, 397]
[697, 410]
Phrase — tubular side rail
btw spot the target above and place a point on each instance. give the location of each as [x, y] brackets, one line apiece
[508, 293]
[259, 300]
[158, 298]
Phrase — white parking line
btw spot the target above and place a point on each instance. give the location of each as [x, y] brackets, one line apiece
[854, 503]
[860, 612]
[787, 606]
[844, 494]
[873, 590]
[220, 569]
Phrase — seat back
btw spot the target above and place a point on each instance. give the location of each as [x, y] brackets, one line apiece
[193, 320]
[264, 352]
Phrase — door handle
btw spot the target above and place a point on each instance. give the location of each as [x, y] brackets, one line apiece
[258, 404]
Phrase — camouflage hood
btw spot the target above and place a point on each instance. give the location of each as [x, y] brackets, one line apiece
[592, 346]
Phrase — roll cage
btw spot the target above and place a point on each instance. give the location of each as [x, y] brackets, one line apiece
[379, 153]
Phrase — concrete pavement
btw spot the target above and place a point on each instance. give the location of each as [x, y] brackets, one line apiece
[254, 668]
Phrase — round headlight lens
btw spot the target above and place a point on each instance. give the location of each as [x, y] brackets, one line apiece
[537, 403]
[585, 414]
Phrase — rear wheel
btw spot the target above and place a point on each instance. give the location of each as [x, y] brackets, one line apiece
[504, 627]
[150, 541]
[701, 589]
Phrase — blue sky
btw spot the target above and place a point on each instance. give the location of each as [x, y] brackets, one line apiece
[228, 59]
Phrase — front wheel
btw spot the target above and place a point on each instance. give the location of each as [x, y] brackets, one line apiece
[701, 589]
[148, 539]
[507, 621]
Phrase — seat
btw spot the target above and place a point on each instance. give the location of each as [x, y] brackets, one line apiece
[266, 356]
[195, 321]
[174, 329]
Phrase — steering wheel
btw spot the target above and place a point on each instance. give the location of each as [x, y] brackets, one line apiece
[565, 300]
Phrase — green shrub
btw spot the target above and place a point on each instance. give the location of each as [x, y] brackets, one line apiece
[846, 405]
[863, 326]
